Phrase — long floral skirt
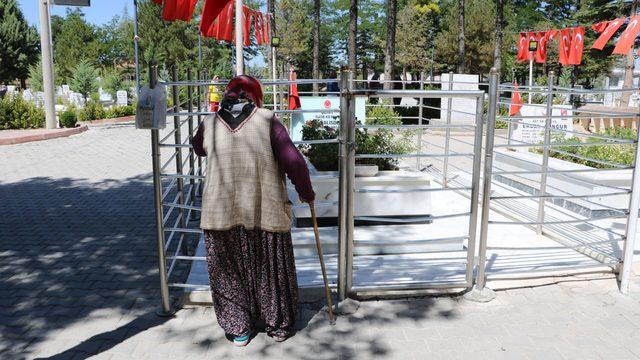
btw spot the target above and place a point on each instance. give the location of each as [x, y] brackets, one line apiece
[253, 276]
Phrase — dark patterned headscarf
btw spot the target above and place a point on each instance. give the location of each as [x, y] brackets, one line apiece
[243, 87]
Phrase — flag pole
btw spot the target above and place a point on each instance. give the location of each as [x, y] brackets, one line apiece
[239, 39]
[530, 76]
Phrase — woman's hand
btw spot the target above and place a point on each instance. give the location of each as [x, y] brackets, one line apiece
[304, 200]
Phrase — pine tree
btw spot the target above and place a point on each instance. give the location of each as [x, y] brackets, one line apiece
[19, 43]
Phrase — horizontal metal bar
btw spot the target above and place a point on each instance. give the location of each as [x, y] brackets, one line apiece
[179, 176]
[266, 82]
[557, 171]
[366, 243]
[189, 207]
[411, 286]
[572, 221]
[301, 111]
[361, 190]
[446, 110]
[410, 220]
[598, 112]
[191, 286]
[184, 257]
[549, 196]
[586, 144]
[188, 146]
[184, 230]
[415, 127]
[384, 156]
[316, 204]
[311, 142]
[418, 93]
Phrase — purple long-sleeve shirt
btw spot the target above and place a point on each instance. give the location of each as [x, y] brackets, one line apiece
[287, 155]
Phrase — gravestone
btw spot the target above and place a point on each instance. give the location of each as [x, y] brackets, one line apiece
[531, 129]
[463, 109]
[39, 99]
[27, 95]
[121, 98]
[76, 99]
[66, 89]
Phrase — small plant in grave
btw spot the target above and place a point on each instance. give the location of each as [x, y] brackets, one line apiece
[382, 141]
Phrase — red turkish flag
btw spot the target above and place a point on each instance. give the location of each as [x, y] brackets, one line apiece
[210, 11]
[600, 27]
[522, 47]
[257, 25]
[294, 97]
[266, 34]
[564, 46]
[178, 9]
[159, 2]
[516, 100]
[577, 45]
[607, 33]
[628, 36]
[540, 55]
[247, 17]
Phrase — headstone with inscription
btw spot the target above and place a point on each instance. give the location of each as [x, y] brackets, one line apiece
[27, 95]
[121, 98]
[531, 127]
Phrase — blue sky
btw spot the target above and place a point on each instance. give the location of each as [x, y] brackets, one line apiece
[100, 11]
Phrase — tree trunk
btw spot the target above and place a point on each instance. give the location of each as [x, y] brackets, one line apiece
[390, 48]
[628, 68]
[461, 49]
[353, 29]
[497, 51]
[271, 11]
[316, 44]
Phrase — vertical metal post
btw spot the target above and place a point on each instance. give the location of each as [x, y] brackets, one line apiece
[545, 154]
[488, 168]
[48, 82]
[351, 171]
[420, 112]
[342, 186]
[447, 136]
[192, 159]
[178, 141]
[239, 37]
[136, 48]
[274, 73]
[530, 76]
[165, 309]
[475, 191]
[624, 274]
[199, 106]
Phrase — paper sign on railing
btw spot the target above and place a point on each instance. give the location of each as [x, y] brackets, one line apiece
[151, 111]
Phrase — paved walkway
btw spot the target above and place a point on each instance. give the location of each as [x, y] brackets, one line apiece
[78, 278]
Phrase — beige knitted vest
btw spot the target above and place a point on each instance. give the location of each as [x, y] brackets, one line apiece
[243, 184]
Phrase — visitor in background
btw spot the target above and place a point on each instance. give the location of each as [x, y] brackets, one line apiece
[214, 95]
[246, 213]
[333, 87]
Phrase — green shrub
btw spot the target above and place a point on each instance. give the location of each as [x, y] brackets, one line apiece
[120, 111]
[92, 111]
[323, 156]
[615, 153]
[16, 113]
[382, 115]
[68, 118]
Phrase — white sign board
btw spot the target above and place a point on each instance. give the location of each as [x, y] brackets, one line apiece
[532, 129]
[121, 98]
[463, 109]
[329, 119]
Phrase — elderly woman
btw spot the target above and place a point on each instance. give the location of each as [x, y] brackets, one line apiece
[246, 214]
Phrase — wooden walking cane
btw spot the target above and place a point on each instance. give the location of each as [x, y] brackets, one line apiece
[327, 293]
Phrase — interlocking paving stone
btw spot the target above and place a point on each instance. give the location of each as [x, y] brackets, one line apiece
[78, 276]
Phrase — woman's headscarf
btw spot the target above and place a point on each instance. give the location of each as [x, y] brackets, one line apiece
[244, 87]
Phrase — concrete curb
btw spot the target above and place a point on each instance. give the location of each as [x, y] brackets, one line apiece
[24, 136]
[112, 121]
